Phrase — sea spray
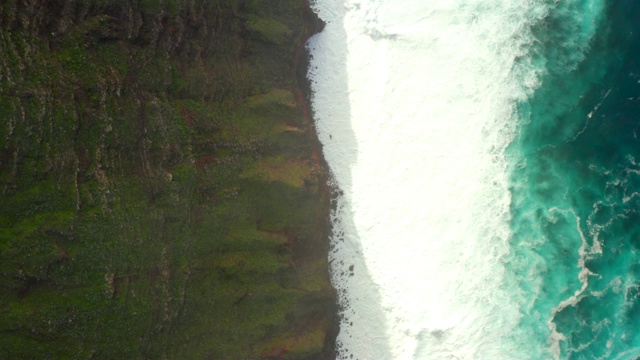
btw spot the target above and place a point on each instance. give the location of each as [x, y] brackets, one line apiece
[415, 104]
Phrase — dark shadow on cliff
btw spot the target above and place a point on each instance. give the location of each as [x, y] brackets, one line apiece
[332, 116]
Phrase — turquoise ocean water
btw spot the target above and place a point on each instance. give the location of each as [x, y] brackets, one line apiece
[487, 154]
[575, 184]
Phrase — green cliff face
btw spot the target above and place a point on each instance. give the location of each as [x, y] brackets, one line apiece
[160, 190]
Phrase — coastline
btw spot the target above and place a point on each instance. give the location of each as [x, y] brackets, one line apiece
[313, 26]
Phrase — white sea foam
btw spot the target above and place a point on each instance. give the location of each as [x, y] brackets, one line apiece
[414, 104]
[556, 337]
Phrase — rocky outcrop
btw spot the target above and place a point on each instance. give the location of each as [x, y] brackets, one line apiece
[161, 192]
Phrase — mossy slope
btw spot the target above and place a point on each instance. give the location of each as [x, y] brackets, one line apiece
[160, 196]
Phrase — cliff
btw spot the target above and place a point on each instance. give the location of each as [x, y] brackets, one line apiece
[161, 193]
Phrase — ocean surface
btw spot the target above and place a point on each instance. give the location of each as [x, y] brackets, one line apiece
[487, 161]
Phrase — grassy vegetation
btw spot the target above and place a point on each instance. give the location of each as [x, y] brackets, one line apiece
[159, 196]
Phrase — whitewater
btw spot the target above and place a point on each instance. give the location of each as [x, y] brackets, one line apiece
[417, 104]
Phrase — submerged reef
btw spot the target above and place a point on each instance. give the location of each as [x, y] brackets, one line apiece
[161, 189]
